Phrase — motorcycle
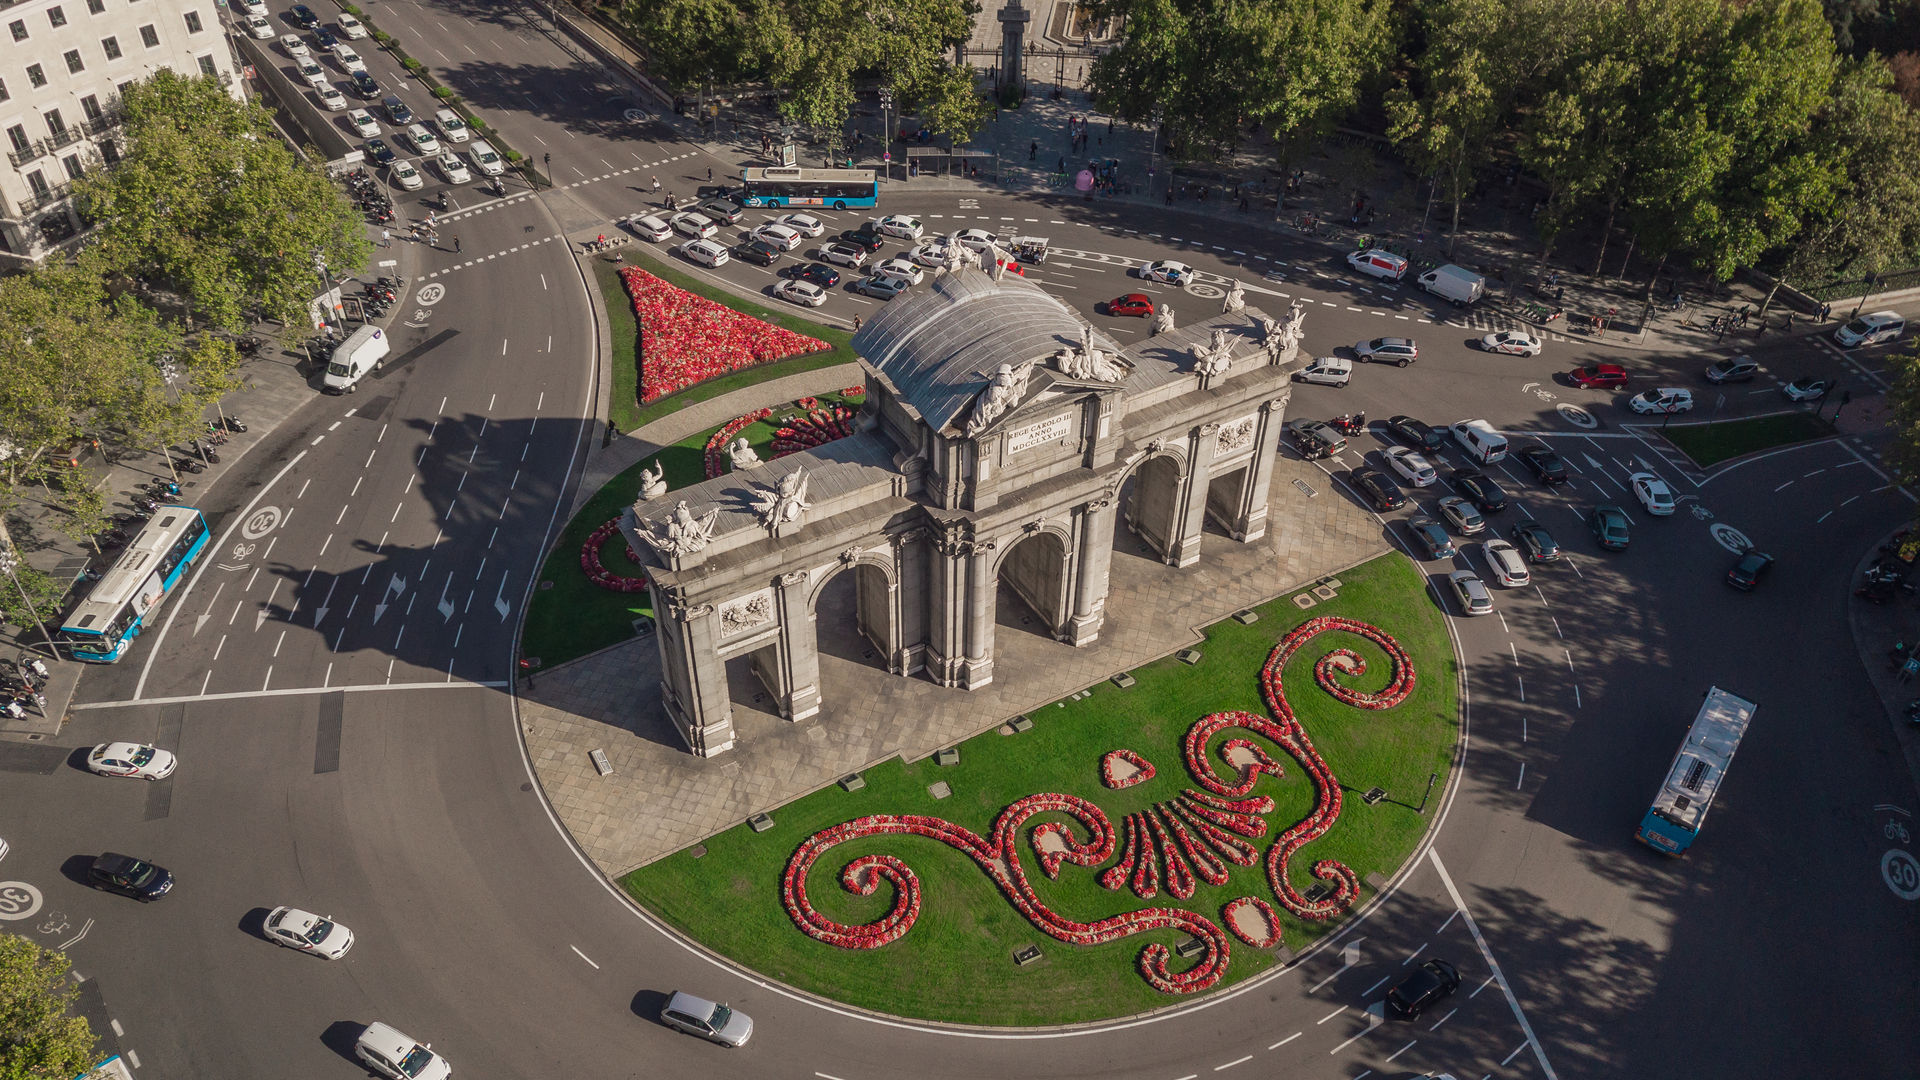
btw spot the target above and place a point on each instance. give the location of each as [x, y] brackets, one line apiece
[188, 465]
[145, 504]
[499, 187]
[233, 423]
[1351, 424]
[163, 489]
[207, 451]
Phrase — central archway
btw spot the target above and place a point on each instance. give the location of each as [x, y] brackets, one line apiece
[1036, 570]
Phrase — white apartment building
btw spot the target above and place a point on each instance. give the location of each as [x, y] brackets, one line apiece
[62, 64]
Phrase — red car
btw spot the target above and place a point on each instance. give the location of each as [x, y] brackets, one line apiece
[1131, 304]
[1599, 376]
[1012, 266]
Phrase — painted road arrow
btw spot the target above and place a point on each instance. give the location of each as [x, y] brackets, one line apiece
[394, 589]
[499, 599]
[320, 612]
[208, 614]
[446, 605]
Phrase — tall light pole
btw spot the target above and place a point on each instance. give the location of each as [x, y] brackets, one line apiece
[9, 563]
[886, 133]
[170, 373]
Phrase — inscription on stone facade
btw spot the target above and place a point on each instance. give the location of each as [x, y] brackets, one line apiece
[1052, 429]
[749, 612]
[1235, 435]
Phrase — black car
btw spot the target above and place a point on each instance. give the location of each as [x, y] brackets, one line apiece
[129, 876]
[819, 273]
[365, 86]
[1535, 542]
[758, 251]
[397, 109]
[864, 237]
[724, 211]
[1480, 490]
[1430, 982]
[379, 151]
[303, 17]
[324, 38]
[1379, 491]
[1545, 465]
[1416, 433]
[1750, 568]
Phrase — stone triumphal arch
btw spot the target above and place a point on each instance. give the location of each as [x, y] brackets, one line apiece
[998, 435]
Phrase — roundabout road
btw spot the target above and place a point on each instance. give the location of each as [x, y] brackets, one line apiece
[332, 690]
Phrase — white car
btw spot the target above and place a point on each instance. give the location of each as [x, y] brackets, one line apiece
[1377, 263]
[364, 123]
[1807, 388]
[780, 236]
[1870, 329]
[804, 293]
[650, 227]
[1168, 271]
[332, 99]
[453, 168]
[1509, 569]
[131, 759]
[451, 126]
[254, 7]
[422, 139]
[704, 252]
[904, 269]
[293, 45]
[486, 158]
[805, 224]
[1512, 343]
[844, 255]
[406, 175]
[1653, 493]
[899, 225]
[397, 1056]
[315, 75]
[1666, 399]
[1411, 466]
[1326, 371]
[697, 226]
[1465, 518]
[976, 239]
[351, 26]
[259, 27]
[1471, 592]
[933, 254]
[309, 933]
[348, 59]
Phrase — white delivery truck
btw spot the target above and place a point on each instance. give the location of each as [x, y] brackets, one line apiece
[1455, 284]
[360, 353]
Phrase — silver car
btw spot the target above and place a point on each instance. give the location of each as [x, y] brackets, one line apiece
[1461, 515]
[707, 1019]
[1471, 592]
[1504, 560]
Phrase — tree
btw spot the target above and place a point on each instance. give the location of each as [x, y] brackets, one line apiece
[950, 105]
[1873, 223]
[1903, 404]
[38, 1040]
[1446, 125]
[208, 203]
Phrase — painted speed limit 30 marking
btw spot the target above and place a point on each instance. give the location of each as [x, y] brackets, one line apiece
[1730, 538]
[430, 294]
[261, 522]
[18, 900]
[1902, 874]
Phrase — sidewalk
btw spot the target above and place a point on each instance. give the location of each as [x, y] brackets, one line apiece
[1876, 628]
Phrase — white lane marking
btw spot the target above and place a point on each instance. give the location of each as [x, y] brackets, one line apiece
[1231, 1064]
[1402, 1050]
[1493, 965]
[1284, 1041]
[1368, 992]
[584, 956]
[1442, 1020]
[133, 1059]
[1375, 1014]
[117, 1029]
[291, 691]
[1331, 1015]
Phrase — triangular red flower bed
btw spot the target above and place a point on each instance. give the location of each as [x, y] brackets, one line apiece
[686, 339]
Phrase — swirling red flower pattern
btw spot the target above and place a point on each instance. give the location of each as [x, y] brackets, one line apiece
[597, 571]
[1285, 729]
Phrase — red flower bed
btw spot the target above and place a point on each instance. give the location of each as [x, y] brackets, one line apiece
[686, 339]
[598, 572]
[717, 442]
[1142, 769]
[1265, 941]
[818, 427]
[854, 391]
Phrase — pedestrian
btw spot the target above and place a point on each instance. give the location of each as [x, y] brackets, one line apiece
[1169, 193]
[1063, 166]
[1789, 325]
[1824, 309]
[386, 238]
[656, 185]
[1109, 125]
[1760, 328]
[709, 174]
[1720, 329]
[856, 322]
[430, 219]
[1033, 151]
[456, 245]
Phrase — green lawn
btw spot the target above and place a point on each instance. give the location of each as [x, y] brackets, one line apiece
[955, 964]
[1710, 444]
[625, 410]
[574, 616]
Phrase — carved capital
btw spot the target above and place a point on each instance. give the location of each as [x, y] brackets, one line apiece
[793, 577]
[1277, 403]
[1032, 527]
[1208, 428]
[850, 556]
[685, 612]
[951, 539]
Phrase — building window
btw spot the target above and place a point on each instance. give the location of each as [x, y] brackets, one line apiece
[149, 36]
[3, 91]
[124, 87]
[74, 64]
[96, 7]
[37, 182]
[57, 17]
[19, 28]
[91, 106]
[35, 76]
[206, 65]
[112, 45]
[17, 135]
[193, 22]
[74, 169]
[110, 152]
[55, 124]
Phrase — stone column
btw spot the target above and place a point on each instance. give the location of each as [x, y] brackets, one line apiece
[798, 694]
[1013, 46]
[1251, 523]
[911, 558]
[946, 606]
[694, 680]
[1094, 563]
[1183, 545]
[982, 600]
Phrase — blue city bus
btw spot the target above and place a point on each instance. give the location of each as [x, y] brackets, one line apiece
[115, 610]
[1681, 808]
[791, 185]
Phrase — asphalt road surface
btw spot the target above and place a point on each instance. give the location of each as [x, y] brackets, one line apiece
[332, 683]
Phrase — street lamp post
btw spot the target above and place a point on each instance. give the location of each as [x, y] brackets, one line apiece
[169, 373]
[9, 563]
[1868, 287]
[886, 133]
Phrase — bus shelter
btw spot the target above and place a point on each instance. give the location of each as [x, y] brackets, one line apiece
[952, 163]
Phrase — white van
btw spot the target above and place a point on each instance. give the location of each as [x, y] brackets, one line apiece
[360, 353]
[1455, 284]
[1871, 329]
[486, 158]
[1483, 444]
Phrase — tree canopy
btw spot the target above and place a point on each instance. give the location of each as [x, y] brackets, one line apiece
[38, 1039]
